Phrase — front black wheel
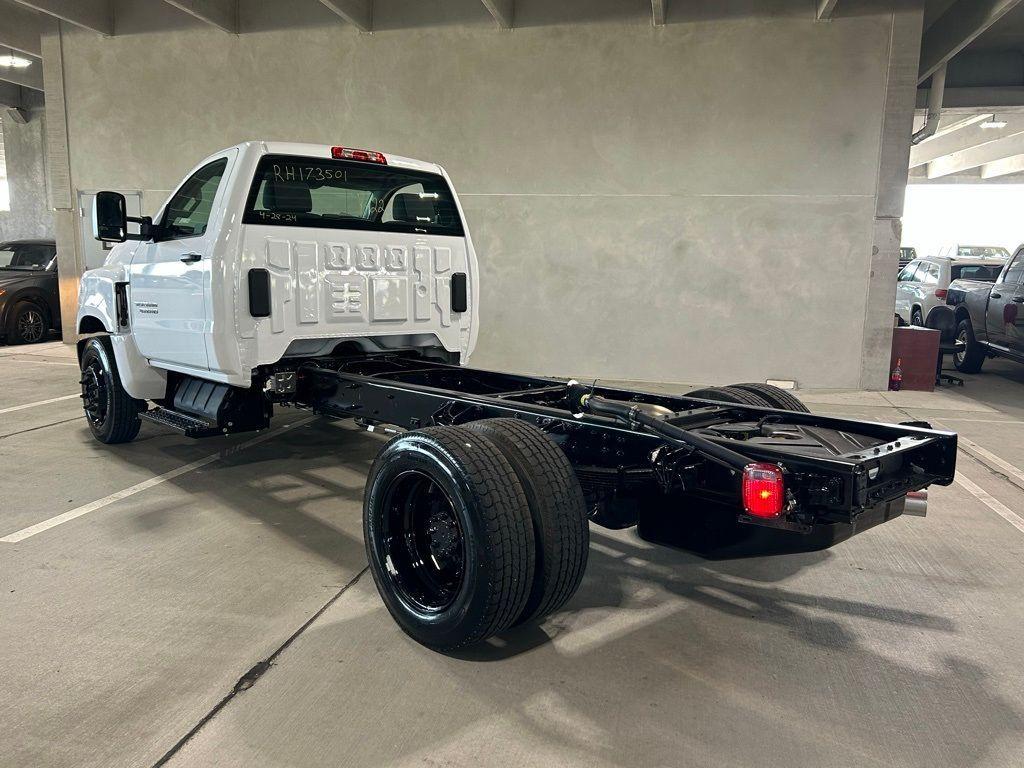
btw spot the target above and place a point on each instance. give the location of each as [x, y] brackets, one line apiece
[112, 413]
[448, 536]
[28, 324]
[973, 355]
[916, 318]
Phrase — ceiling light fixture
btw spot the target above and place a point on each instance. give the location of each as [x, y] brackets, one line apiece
[992, 122]
[10, 60]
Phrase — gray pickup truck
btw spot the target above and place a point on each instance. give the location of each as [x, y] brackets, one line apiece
[989, 317]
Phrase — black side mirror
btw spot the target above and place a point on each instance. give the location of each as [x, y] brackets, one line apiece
[110, 218]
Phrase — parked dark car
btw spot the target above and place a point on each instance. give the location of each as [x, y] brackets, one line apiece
[989, 316]
[29, 299]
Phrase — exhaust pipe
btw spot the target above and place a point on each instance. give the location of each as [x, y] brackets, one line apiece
[916, 504]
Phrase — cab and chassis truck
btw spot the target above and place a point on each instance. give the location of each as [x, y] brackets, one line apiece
[344, 282]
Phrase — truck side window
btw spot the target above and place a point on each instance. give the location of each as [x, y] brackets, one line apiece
[189, 210]
[1013, 274]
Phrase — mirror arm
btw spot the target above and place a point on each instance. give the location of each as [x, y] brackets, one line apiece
[146, 228]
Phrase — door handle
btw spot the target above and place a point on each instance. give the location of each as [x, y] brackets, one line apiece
[190, 258]
[1018, 299]
[995, 295]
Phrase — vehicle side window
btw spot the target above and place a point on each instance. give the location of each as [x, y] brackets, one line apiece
[928, 274]
[1013, 274]
[188, 212]
[907, 274]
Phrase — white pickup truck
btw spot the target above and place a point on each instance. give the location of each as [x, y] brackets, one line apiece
[344, 281]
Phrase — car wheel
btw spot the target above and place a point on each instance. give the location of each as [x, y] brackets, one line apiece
[973, 356]
[916, 318]
[448, 536]
[112, 413]
[28, 324]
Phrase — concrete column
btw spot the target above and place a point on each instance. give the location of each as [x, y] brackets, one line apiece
[893, 161]
[58, 168]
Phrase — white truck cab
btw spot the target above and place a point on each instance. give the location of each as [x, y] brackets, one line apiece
[268, 250]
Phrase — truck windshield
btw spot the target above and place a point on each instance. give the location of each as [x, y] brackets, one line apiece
[982, 272]
[337, 194]
[28, 257]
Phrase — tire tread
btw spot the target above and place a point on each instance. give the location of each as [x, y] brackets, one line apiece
[559, 516]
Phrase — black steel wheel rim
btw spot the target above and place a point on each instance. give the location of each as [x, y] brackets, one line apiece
[30, 325]
[958, 357]
[424, 545]
[94, 392]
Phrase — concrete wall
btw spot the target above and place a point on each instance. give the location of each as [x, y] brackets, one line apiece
[690, 203]
[24, 147]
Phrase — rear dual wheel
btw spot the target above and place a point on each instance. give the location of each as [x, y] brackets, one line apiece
[470, 531]
[755, 394]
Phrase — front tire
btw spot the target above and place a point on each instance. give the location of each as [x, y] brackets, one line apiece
[448, 536]
[28, 324]
[112, 413]
[973, 356]
[916, 318]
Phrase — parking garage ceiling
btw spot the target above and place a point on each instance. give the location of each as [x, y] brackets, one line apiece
[980, 136]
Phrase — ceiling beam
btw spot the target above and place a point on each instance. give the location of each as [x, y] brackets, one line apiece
[95, 15]
[658, 12]
[222, 14]
[10, 96]
[503, 12]
[955, 29]
[963, 134]
[19, 29]
[974, 157]
[1003, 167]
[825, 9]
[977, 98]
[356, 12]
[29, 77]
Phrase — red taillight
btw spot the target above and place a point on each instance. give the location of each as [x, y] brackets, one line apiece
[940, 293]
[764, 493]
[362, 155]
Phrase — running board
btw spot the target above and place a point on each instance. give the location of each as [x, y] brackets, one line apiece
[187, 425]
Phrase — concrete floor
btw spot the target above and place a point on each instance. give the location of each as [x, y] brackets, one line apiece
[125, 627]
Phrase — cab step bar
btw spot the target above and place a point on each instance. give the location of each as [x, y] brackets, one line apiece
[187, 425]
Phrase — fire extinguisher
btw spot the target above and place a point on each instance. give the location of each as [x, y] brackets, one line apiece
[896, 379]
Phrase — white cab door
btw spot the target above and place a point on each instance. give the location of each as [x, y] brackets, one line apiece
[170, 276]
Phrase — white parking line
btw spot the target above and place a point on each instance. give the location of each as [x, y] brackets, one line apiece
[45, 362]
[972, 447]
[38, 402]
[92, 506]
[988, 500]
